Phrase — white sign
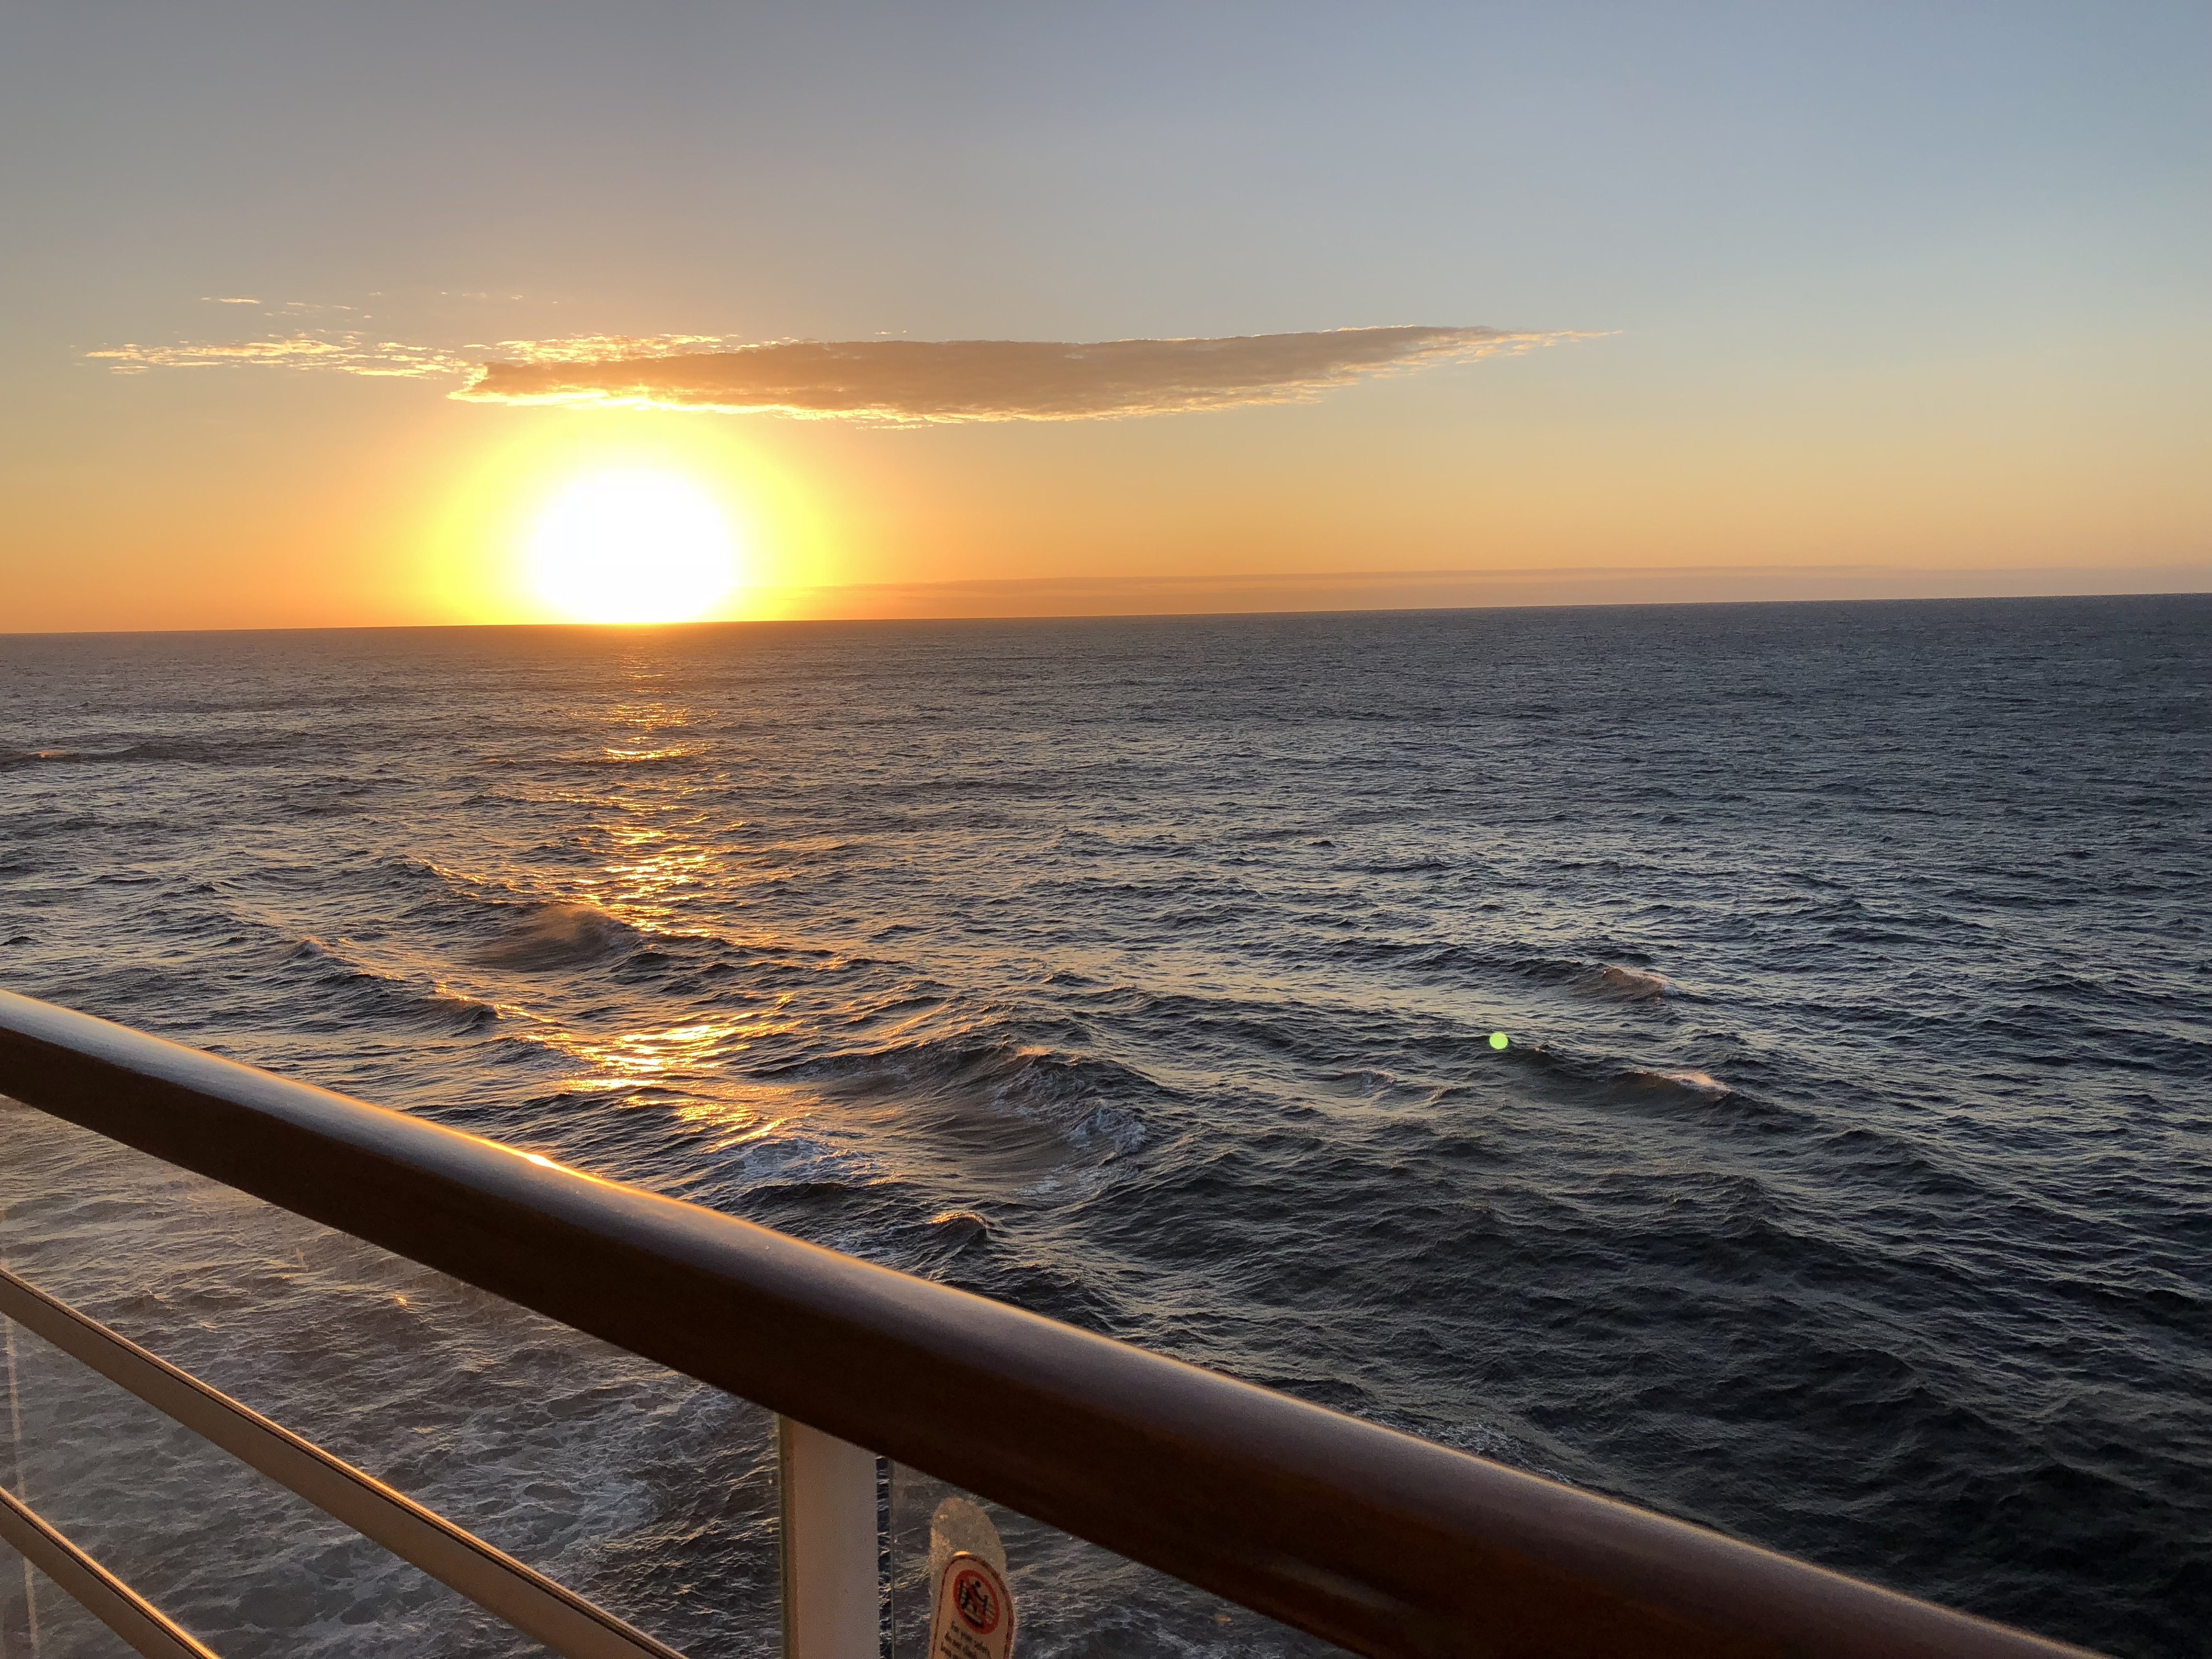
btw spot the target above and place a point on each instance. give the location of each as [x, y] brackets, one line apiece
[974, 1616]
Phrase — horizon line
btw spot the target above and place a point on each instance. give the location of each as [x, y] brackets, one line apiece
[1954, 586]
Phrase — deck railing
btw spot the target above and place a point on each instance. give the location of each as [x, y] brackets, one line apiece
[1376, 1541]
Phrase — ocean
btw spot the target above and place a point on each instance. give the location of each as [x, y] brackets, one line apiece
[1845, 1184]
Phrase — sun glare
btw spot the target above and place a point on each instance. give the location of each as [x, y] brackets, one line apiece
[632, 547]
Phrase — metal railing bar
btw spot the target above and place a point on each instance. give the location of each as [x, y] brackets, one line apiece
[95, 1588]
[1387, 1544]
[494, 1580]
[826, 1502]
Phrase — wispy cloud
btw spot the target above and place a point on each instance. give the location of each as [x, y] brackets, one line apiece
[570, 351]
[346, 349]
[916, 380]
[345, 353]
[892, 381]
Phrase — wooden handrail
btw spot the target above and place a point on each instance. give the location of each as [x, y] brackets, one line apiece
[1382, 1543]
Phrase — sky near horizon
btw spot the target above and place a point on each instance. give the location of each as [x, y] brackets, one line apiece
[317, 315]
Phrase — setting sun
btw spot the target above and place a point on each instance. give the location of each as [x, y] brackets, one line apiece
[632, 547]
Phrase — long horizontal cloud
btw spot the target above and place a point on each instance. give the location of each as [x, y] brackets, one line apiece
[914, 380]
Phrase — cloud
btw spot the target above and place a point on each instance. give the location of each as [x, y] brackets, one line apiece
[916, 381]
[900, 382]
[354, 351]
[601, 348]
[344, 353]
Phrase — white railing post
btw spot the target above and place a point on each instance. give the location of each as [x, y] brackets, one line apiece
[831, 1595]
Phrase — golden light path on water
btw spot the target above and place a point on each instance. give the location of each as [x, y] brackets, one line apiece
[660, 832]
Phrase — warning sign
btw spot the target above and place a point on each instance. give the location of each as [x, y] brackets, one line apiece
[974, 1616]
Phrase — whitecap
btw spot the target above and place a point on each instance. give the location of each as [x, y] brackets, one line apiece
[1631, 984]
[1698, 1083]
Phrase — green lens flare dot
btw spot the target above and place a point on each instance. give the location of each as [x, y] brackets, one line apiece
[1499, 1040]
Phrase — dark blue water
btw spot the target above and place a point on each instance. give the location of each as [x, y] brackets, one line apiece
[1846, 1186]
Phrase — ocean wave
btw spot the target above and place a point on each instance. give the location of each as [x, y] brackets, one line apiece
[1086, 1102]
[1631, 984]
[955, 1229]
[1439, 957]
[554, 933]
[385, 997]
[1611, 981]
[630, 758]
[179, 752]
[1704, 1084]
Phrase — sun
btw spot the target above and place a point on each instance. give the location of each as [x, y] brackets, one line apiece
[632, 546]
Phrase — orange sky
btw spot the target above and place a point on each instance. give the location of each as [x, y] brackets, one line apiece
[1765, 348]
[307, 502]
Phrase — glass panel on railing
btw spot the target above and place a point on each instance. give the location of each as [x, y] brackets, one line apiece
[645, 1492]
[1066, 1599]
[37, 1621]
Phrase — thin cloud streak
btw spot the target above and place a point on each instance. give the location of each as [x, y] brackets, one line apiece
[343, 353]
[351, 351]
[914, 381]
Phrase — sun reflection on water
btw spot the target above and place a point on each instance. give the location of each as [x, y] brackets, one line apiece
[671, 1052]
[666, 839]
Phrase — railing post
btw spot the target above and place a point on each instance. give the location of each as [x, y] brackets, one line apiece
[831, 1594]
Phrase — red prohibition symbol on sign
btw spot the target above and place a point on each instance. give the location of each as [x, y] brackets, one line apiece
[976, 1602]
